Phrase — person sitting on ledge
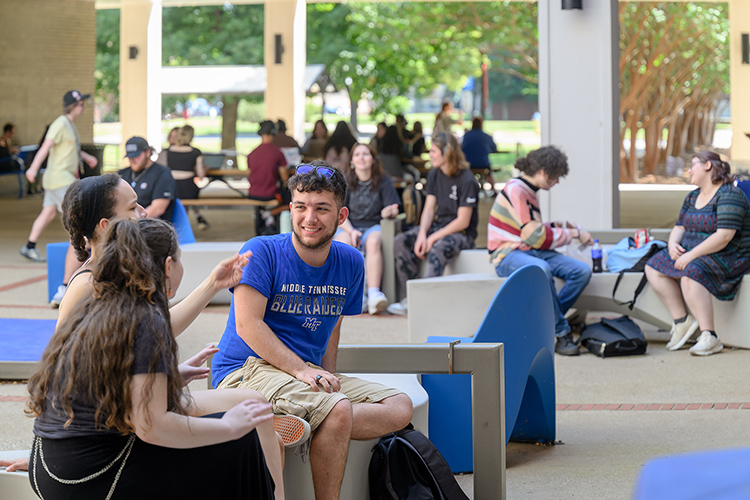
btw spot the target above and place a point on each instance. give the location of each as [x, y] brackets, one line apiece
[516, 236]
[708, 253]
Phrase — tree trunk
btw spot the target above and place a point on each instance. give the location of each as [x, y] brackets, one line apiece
[353, 102]
[652, 147]
[229, 122]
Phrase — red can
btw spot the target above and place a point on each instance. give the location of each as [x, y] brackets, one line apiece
[641, 238]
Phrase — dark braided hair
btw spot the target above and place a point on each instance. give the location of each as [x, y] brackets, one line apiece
[86, 202]
[720, 170]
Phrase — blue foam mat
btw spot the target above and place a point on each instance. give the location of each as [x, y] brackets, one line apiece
[24, 339]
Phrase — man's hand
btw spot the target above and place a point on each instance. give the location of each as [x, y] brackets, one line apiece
[192, 369]
[31, 175]
[228, 272]
[21, 464]
[585, 237]
[315, 377]
[90, 160]
[420, 246]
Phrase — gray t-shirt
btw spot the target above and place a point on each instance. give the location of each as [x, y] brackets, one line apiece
[51, 423]
[365, 203]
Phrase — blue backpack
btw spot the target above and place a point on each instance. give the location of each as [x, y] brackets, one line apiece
[624, 257]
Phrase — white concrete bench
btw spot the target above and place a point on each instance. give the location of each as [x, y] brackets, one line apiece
[454, 304]
[198, 260]
[15, 485]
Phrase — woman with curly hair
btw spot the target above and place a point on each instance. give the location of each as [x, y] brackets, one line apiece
[708, 254]
[370, 196]
[516, 236]
[449, 217]
[111, 417]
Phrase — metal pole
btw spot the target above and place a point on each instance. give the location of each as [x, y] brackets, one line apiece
[484, 362]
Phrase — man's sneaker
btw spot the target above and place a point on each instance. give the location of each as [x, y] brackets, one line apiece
[566, 347]
[398, 308]
[681, 333]
[32, 254]
[292, 429]
[707, 344]
[202, 224]
[376, 303]
[55, 302]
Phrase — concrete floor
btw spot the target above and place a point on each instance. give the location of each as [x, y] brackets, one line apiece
[600, 451]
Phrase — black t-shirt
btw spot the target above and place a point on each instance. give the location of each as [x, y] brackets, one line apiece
[51, 423]
[183, 160]
[365, 204]
[154, 183]
[462, 190]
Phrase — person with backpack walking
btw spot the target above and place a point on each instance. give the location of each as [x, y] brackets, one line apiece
[708, 253]
[517, 236]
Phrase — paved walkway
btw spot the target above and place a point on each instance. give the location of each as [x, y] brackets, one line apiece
[613, 414]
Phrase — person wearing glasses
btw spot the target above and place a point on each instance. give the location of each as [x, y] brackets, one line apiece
[62, 145]
[284, 323]
[449, 218]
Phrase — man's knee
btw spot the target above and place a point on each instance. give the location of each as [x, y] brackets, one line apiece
[400, 409]
[340, 417]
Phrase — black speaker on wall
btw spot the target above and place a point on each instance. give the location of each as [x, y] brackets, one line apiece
[745, 48]
[572, 4]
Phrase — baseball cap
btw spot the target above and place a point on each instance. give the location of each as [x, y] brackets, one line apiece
[73, 96]
[135, 146]
[267, 127]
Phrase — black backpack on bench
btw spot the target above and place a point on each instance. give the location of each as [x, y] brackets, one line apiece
[405, 465]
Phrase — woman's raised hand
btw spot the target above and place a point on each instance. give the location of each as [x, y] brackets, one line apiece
[245, 416]
[228, 272]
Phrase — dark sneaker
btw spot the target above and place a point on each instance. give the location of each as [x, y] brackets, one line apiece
[566, 347]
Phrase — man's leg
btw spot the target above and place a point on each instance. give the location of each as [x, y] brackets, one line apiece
[372, 420]
[328, 451]
[519, 258]
[576, 274]
[46, 216]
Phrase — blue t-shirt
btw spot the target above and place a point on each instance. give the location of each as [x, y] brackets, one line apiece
[477, 147]
[304, 302]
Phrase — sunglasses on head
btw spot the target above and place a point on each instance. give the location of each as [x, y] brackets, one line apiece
[320, 171]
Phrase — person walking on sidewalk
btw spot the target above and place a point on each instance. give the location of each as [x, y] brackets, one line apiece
[62, 145]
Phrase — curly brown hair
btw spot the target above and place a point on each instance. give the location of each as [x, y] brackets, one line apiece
[352, 181]
[86, 202]
[549, 159]
[90, 356]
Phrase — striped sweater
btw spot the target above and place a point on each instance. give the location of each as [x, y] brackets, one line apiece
[516, 223]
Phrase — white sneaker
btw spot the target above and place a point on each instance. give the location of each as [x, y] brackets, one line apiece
[32, 254]
[57, 298]
[707, 344]
[681, 333]
[376, 303]
[398, 308]
[292, 429]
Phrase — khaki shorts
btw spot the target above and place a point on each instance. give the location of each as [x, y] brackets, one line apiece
[290, 396]
[54, 197]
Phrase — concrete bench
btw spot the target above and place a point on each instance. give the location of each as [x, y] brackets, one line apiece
[226, 201]
[15, 485]
[469, 283]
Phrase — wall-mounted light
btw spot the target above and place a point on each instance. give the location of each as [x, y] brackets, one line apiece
[572, 4]
[278, 49]
[132, 52]
[745, 48]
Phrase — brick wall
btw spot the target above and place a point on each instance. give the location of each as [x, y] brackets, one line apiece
[47, 47]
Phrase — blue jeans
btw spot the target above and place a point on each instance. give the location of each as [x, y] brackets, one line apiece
[575, 273]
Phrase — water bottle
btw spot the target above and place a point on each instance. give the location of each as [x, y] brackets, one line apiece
[596, 257]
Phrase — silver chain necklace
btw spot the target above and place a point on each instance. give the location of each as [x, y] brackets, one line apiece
[37, 449]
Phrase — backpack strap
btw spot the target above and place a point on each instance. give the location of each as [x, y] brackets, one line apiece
[638, 290]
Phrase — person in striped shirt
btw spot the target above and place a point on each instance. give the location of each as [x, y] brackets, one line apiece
[517, 236]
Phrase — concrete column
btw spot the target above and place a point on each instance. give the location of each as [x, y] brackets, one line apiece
[579, 104]
[140, 67]
[739, 76]
[285, 88]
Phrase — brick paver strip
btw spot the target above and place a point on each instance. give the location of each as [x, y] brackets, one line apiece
[587, 407]
[600, 407]
[707, 406]
[734, 406]
[654, 406]
[23, 283]
[746, 406]
[12, 399]
[560, 407]
[640, 407]
[694, 407]
[627, 407]
[720, 406]
[667, 406]
[613, 407]
[680, 406]
[573, 407]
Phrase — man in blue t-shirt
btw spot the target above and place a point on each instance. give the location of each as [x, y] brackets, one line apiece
[284, 323]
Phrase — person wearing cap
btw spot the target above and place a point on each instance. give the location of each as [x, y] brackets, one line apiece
[62, 145]
[152, 182]
[267, 174]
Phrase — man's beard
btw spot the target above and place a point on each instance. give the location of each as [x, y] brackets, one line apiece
[317, 245]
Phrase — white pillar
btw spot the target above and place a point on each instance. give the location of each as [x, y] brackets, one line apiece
[140, 68]
[579, 104]
[285, 87]
[739, 77]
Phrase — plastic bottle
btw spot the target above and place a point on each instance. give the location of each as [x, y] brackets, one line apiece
[596, 257]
